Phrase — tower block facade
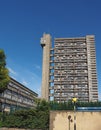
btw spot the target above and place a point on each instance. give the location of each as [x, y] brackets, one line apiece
[69, 70]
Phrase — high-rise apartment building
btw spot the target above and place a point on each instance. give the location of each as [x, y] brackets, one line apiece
[69, 69]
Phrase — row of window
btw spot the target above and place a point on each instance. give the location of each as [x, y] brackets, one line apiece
[69, 82]
[68, 43]
[70, 71]
[71, 86]
[17, 99]
[18, 88]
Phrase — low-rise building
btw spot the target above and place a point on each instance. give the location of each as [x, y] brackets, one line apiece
[17, 96]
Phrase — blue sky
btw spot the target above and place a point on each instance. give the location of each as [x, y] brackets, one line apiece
[23, 22]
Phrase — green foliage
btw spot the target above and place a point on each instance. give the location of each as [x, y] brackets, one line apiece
[4, 74]
[38, 118]
[61, 106]
[1, 119]
[70, 106]
[2, 58]
[88, 104]
[42, 105]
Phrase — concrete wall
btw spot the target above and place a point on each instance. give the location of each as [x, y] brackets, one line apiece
[84, 120]
[45, 66]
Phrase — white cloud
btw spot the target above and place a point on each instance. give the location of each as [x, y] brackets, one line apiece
[35, 77]
[37, 67]
[39, 91]
[14, 78]
[100, 96]
[12, 71]
[25, 83]
[29, 78]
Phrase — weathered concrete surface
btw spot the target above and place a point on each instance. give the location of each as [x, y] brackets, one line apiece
[84, 120]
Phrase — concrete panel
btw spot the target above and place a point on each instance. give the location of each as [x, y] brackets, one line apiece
[84, 120]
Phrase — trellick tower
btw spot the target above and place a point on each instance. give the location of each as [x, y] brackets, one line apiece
[46, 45]
[69, 70]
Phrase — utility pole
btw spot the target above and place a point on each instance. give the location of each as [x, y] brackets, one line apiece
[74, 100]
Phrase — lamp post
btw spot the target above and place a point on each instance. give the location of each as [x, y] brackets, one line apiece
[74, 100]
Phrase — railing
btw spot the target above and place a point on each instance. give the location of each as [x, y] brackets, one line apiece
[88, 109]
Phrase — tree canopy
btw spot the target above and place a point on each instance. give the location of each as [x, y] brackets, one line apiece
[4, 73]
[36, 118]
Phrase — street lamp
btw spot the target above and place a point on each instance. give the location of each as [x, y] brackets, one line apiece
[74, 100]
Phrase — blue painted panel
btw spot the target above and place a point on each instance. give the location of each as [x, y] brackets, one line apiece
[88, 109]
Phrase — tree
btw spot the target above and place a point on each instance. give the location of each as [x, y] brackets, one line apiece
[4, 73]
